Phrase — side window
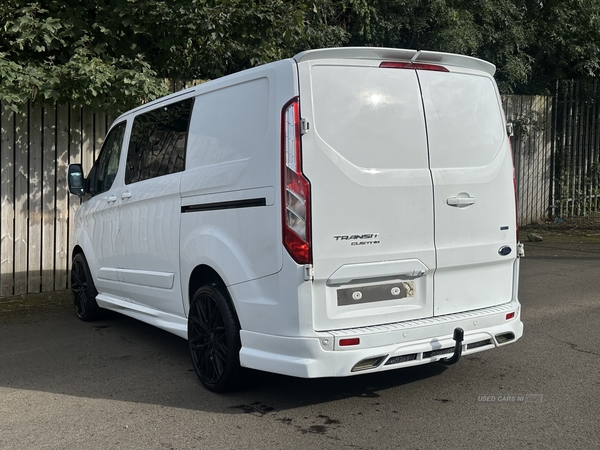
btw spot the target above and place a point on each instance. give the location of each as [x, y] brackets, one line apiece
[158, 141]
[104, 171]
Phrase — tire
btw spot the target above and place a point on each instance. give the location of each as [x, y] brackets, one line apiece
[214, 339]
[83, 290]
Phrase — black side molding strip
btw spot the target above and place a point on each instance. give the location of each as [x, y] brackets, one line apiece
[246, 203]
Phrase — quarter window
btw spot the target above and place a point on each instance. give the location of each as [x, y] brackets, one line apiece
[158, 141]
[104, 171]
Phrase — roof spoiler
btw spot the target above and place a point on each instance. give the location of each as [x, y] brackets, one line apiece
[395, 54]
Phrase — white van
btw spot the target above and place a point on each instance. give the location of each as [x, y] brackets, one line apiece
[345, 211]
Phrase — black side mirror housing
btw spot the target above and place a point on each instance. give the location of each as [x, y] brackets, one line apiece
[75, 180]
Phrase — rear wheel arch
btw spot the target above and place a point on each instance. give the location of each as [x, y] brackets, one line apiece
[204, 275]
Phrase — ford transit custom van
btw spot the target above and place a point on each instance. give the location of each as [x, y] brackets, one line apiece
[344, 211]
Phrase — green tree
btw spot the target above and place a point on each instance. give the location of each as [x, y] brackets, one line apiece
[61, 50]
[565, 41]
[531, 42]
[488, 29]
[114, 54]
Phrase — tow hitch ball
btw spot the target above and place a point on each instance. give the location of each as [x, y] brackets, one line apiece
[458, 337]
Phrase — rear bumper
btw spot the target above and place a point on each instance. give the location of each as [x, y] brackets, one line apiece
[408, 343]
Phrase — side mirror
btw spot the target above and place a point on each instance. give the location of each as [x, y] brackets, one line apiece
[75, 180]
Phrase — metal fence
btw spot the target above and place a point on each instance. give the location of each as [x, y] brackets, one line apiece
[556, 145]
[577, 158]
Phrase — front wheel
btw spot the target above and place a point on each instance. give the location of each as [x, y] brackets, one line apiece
[214, 339]
[83, 290]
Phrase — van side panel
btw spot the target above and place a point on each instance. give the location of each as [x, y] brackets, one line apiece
[148, 244]
[100, 226]
[97, 228]
[279, 304]
[231, 214]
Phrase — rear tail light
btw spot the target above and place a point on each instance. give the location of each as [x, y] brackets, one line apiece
[295, 187]
[411, 65]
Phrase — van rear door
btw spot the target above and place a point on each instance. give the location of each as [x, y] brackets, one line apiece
[365, 155]
[472, 170]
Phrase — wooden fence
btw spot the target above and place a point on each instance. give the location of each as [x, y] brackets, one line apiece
[37, 144]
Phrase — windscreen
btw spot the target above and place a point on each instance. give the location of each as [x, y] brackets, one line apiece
[372, 117]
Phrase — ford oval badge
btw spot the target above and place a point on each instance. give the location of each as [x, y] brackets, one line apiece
[505, 250]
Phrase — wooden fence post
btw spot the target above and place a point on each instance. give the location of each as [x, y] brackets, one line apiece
[21, 198]
[49, 198]
[62, 200]
[34, 206]
[7, 201]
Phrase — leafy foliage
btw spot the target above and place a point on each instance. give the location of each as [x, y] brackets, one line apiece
[56, 51]
[532, 42]
[114, 54]
[488, 29]
[565, 41]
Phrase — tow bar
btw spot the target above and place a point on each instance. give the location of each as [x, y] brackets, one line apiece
[458, 337]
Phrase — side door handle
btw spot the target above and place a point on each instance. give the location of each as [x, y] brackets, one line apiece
[110, 199]
[126, 194]
[461, 200]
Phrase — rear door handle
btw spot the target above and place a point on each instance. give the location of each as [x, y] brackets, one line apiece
[126, 194]
[110, 199]
[461, 200]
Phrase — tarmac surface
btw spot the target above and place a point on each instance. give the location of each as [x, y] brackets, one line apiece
[119, 383]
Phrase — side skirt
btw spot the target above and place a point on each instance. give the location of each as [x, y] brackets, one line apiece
[168, 322]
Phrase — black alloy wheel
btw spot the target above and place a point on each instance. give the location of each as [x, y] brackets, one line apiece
[83, 290]
[214, 339]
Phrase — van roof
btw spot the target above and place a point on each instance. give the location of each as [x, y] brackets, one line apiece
[395, 54]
